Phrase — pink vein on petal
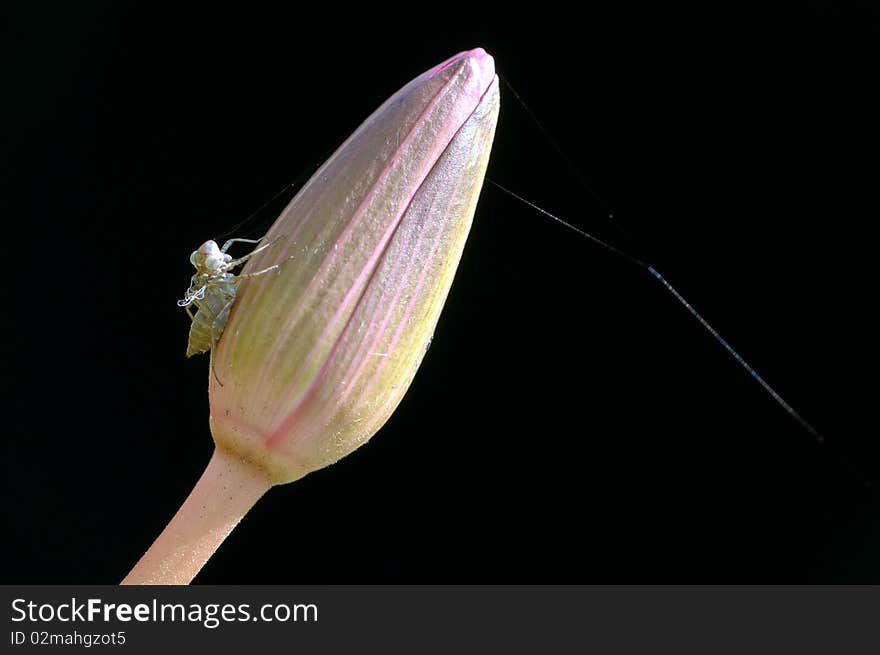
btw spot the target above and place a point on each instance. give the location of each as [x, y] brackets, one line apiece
[370, 266]
[361, 358]
[410, 307]
[397, 335]
[279, 343]
[290, 419]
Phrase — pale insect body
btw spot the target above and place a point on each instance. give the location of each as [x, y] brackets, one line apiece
[212, 290]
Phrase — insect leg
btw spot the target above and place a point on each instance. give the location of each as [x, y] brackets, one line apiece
[241, 260]
[265, 270]
[231, 241]
[256, 273]
[223, 315]
[211, 360]
[189, 313]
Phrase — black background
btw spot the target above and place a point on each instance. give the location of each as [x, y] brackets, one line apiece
[570, 423]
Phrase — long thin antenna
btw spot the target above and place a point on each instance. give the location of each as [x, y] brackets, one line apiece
[294, 183]
[583, 180]
[259, 209]
[653, 271]
[596, 240]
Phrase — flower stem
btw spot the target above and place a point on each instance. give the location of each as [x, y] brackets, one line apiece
[228, 488]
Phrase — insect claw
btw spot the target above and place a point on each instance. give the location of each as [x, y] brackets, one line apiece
[213, 369]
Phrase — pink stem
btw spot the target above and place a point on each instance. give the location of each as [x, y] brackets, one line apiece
[228, 488]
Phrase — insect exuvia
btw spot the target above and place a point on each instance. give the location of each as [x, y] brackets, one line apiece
[212, 291]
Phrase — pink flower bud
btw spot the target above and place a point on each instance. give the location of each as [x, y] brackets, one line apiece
[318, 353]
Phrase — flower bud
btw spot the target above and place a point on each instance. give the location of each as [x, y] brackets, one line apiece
[318, 352]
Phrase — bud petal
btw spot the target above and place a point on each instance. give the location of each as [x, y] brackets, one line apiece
[318, 353]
